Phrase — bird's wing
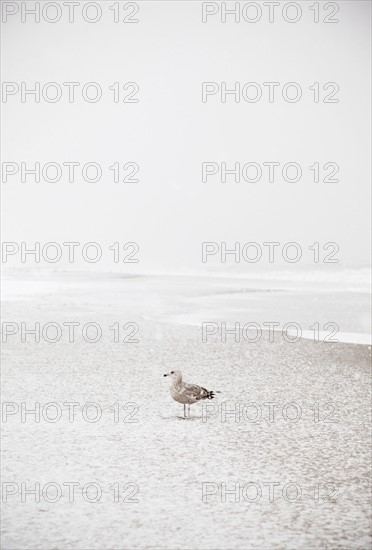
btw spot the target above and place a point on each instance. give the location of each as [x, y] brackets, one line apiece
[194, 391]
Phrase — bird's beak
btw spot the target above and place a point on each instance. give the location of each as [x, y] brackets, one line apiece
[166, 374]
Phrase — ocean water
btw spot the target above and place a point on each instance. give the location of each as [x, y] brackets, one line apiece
[337, 306]
[334, 306]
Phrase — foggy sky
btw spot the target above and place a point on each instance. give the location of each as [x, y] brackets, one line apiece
[170, 132]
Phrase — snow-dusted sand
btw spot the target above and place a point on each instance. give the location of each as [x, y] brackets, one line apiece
[170, 459]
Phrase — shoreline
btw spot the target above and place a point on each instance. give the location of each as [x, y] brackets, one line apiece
[170, 459]
[194, 300]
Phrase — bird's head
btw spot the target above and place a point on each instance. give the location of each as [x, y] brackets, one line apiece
[176, 375]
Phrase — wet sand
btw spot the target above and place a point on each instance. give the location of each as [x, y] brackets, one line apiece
[312, 429]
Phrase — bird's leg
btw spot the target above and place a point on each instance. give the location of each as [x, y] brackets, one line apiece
[184, 410]
[189, 410]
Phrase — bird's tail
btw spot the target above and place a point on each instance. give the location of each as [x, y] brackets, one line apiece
[211, 394]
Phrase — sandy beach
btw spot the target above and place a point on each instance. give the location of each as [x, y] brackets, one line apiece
[185, 187]
[295, 457]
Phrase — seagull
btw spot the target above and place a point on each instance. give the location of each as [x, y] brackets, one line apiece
[187, 394]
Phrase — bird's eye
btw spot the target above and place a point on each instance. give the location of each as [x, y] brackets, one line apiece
[172, 371]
